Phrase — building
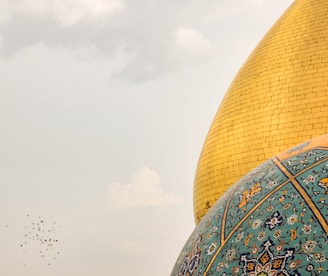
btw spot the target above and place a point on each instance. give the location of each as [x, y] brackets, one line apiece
[271, 220]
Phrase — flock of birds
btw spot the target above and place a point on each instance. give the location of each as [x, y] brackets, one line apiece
[41, 236]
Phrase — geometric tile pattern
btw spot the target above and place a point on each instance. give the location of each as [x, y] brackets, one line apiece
[273, 221]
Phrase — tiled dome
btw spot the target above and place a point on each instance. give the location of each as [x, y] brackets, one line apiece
[278, 99]
[272, 222]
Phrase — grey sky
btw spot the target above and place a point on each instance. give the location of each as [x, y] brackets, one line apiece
[104, 109]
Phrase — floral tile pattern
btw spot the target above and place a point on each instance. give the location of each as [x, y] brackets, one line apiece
[273, 222]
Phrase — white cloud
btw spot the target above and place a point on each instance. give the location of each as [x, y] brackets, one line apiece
[66, 12]
[144, 191]
[73, 11]
[141, 30]
[192, 41]
[5, 14]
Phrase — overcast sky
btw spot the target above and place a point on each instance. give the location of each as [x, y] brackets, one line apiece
[105, 105]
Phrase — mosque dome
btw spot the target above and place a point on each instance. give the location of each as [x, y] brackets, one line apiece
[272, 222]
[278, 99]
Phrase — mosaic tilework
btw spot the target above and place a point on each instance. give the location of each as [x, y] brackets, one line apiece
[273, 221]
[278, 99]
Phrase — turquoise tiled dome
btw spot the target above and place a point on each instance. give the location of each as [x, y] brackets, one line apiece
[272, 222]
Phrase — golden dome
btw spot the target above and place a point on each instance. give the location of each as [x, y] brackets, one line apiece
[278, 99]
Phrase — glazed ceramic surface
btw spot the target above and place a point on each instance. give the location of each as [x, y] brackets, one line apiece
[272, 222]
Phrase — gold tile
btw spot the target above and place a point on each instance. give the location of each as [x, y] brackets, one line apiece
[279, 98]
